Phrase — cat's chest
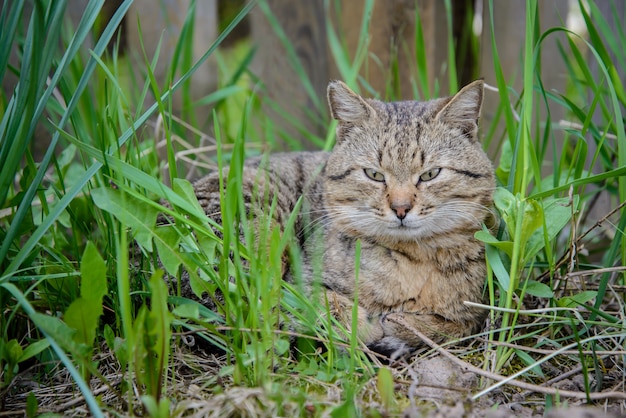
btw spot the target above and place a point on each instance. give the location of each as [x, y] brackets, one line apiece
[387, 279]
[390, 279]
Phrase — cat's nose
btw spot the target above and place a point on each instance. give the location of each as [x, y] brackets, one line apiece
[401, 209]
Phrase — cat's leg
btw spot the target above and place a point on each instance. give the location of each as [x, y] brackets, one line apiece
[369, 327]
[400, 336]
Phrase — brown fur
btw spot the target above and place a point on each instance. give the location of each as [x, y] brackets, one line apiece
[410, 181]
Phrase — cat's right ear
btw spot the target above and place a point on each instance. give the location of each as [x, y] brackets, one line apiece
[345, 105]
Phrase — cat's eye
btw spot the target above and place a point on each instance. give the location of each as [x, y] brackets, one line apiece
[374, 175]
[430, 174]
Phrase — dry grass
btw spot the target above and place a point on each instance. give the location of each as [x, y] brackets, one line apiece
[435, 381]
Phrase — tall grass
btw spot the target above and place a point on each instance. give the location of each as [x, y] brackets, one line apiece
[536, 210]
[73, 222]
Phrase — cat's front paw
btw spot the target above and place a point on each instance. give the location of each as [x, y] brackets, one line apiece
[397, 340]
[391, 347]
[369, 329]
[392, 324]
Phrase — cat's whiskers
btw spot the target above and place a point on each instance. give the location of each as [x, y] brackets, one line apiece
[455, 213]
[471, 212]
[466, 205]
[339, 213]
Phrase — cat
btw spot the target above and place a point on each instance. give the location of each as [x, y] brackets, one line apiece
[411, 183]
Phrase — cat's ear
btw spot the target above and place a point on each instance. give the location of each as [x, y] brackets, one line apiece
[463, 109]
[345, 105]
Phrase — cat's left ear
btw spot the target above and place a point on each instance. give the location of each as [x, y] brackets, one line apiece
[345, 105]
[463, 109]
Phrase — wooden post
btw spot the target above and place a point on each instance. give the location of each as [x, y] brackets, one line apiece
[293, 110]
[392, 43]
[391, 40]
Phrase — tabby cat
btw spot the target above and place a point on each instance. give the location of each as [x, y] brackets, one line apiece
[410, 181]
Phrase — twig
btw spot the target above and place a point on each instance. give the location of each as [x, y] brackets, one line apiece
[78, 400]
[566, 256]
[467, 367]
[565, 352]
[554, 380]
[61, 407]
[573, 125]
[595, 271]
[495, 89]
[613, 287]
[542, 312]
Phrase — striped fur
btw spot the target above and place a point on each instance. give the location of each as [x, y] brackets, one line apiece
[411, 182]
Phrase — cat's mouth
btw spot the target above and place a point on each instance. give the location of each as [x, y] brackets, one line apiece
[407, 222]
[404, 225]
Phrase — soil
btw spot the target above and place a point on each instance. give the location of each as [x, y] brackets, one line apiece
[435, 387]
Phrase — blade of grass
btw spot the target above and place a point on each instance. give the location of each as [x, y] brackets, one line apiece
[453, 84]
[91, 401]
[95, 167]
[8, 171]
[9, 18]
[421, 59]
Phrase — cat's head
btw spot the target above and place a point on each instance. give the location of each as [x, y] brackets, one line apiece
[406, 171]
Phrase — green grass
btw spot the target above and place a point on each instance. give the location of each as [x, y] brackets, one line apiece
[74, 220]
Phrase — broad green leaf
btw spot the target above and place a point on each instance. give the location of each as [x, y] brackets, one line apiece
[109, 336]
[83, 315]
[487, 238]
[12, 351]
[307, 367]
[159, 316]
[187, 310]
[33, 349]
[533, 219]
[577, 299]
[385, 386]
[507, 205]
[495, 261]
[281, 346]
[346, 409]
[66, 157]
[185, 190]
[119, 346]
[167, 241]
[153, 332]
[504, 200]
[31, 405]
[538, 289]
[93, 284]
[156, 408]
[208, 246]
[526, 358]
[510, 207]
[557, 213]
[506, 158]
[62, 334]
[130, 211]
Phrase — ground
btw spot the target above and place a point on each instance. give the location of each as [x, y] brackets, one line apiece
[432, 385]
